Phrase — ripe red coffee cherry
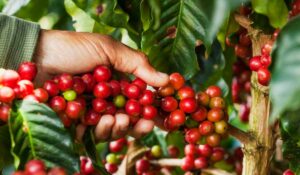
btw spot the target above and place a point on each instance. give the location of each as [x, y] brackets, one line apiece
[31, 97]
[133, 108]
[205, 150]
[215, 115]
[177, 118]
[89, 81]
[200, 162]
[188, 163]
[245, 39]
[186, 92]
[214, 91]
[27, 71]
[266, 49]
[217, 102]
[149, 112]
[73, 109]
[25, 87]
[51, 87]
[221, 127]
[169, 104]
[81, 101]
[111, 168]
[244, 112]
[255, 63]
[263, 76]
[288, 172]
[266, 60]
[132, 91]
[147, 98]
[102, 90]
[140, 83]
[78, 85]
[242, 51]
[200, 114]
[188, 105]
[166, 91]
[65, 119]
[91, 117]
[217, 155]
[41, 94]
[203, 98]
[173, 151]
[99, 105]
[177, 80]
[57, 171]
[206, 128]
[238, 153]
[65, 82]
[190, 150]
[7, 95]
[110, 108]
[4, 112]
[115, 87]
[192, 136]
[58, 104]
[34, 166]
[142, 166]
[86, 165]
[117, 145]
[213, 140]
[102, 73]
[9, 78]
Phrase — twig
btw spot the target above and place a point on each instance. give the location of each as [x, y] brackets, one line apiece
[242, 136]
[217, 172]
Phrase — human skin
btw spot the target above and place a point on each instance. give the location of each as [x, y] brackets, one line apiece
[77, 52]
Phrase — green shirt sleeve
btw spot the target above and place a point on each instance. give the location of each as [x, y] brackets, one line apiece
[18, 39]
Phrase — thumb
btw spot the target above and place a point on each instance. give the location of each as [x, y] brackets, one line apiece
[135, 62]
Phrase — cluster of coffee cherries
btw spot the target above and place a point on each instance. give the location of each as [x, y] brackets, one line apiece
[37, 167]
[18, 85]
[235, 158]
[295, 10]
[117, 149]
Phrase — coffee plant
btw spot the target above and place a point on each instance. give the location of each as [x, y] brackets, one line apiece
[231, 106]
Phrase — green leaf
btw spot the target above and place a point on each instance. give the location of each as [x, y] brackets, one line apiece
[37, 133]
[176, 138]
[284, 87]
[34, 10]
[276, 10]
[150, 14]
[11, 7]
[156, 137]
[5, 146]
[83, 21]
[290, 123]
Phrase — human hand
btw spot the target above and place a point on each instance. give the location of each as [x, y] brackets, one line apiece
[75, 53]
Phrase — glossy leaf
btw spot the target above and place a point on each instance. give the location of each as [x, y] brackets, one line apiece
[11, 7]
[276, 10]
[34, 10]
[285, 80]
[83, 21]
[37, 133]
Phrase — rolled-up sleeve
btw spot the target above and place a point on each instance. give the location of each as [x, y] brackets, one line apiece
[18, 39]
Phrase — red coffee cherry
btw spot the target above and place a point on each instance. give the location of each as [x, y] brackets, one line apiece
[41, 94]
[173, 151]
[177, 118]
[177, 80]
[266, 60]
[102, 73]
[65, 119]
[86, 165]
[215, 115]
[188, 163]
[201, 162]
[25, 87]
[9, 78]
[34, 166]
[132, 91]
[149, 112]
[263, 76]
[288, 172]
[200, 114]
[255, 63]
[190, 150]
[58, 104]
[147, 98]
[242, 51]
[99, 105]
[7, 95]
[205, 150]
[57, 171]
[186, 92]
[51, 87]
[117, 145]
[188, 105]
[245, 39]
[266, 49]
[244, 112]
[115, 87]
[110, 108]
[27, 71]
[102, 90]
[218, 154]
[140, 83]
[78, 85]
[203, 98]
[213, 140]
[89, 81]
[192, 136]
[111, 168]
[214, 91]
[133, 108]
[91, 117]
[206, 128]
[73, 109]
[169, 104]
[142, 166]
[65, 82]
[166, 91]
[4, 112]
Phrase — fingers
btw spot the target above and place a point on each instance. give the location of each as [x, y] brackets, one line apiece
[121, 126]
[141, 128]
[104, 127]
[128, 60]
